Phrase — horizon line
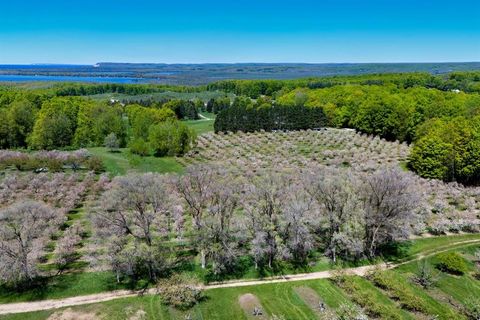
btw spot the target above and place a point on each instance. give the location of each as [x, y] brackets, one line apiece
[229, 63]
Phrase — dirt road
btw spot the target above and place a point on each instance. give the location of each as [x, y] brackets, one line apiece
[107, 296]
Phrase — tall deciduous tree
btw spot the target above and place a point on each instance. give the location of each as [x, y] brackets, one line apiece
[134, 215]
[25, 228]
[390, 204]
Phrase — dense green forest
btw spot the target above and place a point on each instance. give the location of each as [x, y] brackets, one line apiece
[40, 121]
[437, 114]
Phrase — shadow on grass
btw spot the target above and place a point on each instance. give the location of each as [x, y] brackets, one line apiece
[395, 251]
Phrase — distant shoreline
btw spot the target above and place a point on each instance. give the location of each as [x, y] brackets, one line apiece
[200, 74]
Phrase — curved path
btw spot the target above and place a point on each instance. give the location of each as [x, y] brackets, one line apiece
[107, 296]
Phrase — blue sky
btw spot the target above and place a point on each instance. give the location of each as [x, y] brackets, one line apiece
[187, 31]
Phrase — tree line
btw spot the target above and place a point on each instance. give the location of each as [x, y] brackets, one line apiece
[464, 81]
[47, 123]
[248, 116]
[443, 126]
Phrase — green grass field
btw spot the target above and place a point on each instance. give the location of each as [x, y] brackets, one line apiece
[119, 163]
[445, 298]
[68, 285]
[276, 299]
[202, 125]
[122, 162]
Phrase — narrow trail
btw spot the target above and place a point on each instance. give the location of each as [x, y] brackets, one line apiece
[107, 296]
[203, 117]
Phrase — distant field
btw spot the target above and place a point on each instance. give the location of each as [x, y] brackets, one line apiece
[203, 125]
[204, 95]
[119, 163]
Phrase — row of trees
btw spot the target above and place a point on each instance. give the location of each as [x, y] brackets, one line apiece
[82, 89]
[146, 219]
[247, 116]
[34, 208]
[464, 81]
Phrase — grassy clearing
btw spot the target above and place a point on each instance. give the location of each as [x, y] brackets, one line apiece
[459, 288]
[201, 126]
[278, 299]
[407, 250]
[74, 284]
[63, 286]
[119, 163]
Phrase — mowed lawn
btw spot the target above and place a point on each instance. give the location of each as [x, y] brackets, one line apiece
[276, 299]
[200, 126]
[122, 162]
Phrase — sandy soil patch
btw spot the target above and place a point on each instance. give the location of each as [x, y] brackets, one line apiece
[248, 302]
[312, 299]
[69, 314]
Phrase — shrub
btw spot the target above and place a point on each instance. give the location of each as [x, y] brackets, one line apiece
[348, 311]
[179, 292]
[95, 164]
[111, 142]
[140, 147]
[451, 262]
[425, 276]
[172, 138]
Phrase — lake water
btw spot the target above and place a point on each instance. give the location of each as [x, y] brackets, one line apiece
[22, 78]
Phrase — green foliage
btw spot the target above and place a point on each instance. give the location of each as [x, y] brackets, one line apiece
[215, 105]
[452, 262]
[20, 118]
[141, 119]
[425, 276]
[111, 142]
[244, 116]
[56, 124]
[473, 307]
[82, 89]
[365, 295]
[172, 138]
[400, 291]
[96, 121]
[95, 164]
[184, 109]
[139, 146]
[448, 149]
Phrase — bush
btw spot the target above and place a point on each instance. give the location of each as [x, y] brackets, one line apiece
[95, 164]
[111, 142]
[179, 292]
[171, 138]
[140, 147]
[451, 262]
[425, 276]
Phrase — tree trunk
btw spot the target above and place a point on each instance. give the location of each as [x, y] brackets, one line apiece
[203, 258]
